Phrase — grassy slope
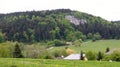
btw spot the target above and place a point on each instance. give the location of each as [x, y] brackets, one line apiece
[8, 62]
[100, 45]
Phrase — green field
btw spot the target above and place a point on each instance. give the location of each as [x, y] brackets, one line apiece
[10, 62]
[99, 45]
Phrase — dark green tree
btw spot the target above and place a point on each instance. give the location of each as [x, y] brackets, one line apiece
[81, 56]
[2, 38]
[107, 49]
[17, 52]
[100, 56]
[96, 36]
[89, 36]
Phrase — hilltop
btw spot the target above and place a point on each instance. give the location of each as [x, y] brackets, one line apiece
[61, 24]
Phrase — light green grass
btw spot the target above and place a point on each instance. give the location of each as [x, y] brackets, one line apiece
[8, 62]
[99, 45]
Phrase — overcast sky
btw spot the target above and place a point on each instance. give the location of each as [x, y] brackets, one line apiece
[108, 9]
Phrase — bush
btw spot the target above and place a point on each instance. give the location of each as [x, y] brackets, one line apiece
[78, 42]
[107, 58]
[93, 39]
[57, 53]
[90, 55]
[115, 56]
[96, 36]
[59, 43]
[50, 44]
[6, 50]
[83, 37]
[89, 35]
[70, 51]
[13, 66]
[2, 37]
[48, 56]
[63, 52]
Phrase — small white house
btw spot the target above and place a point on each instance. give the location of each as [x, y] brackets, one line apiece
[73, 57]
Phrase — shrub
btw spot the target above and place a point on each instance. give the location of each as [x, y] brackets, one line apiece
[2, 37]
[93, 39]
[96, 36]
[48, 56]
[89, 35]
[90, 55]
[4, 51]
[78, 42]
[59, 43]
[107, 58]
[70, 51]
[50, 44]
[63, 52]
[13, 66]
[57, 53]
[115, 56]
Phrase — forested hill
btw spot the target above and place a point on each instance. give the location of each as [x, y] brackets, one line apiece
[63, 24]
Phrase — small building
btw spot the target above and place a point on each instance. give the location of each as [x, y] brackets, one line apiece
[73, 57]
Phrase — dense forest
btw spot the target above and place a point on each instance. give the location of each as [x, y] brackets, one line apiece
[61, 24]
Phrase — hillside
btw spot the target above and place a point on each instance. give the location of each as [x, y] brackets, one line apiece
[62, 24]
[97, 46]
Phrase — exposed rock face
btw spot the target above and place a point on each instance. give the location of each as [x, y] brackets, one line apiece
[75, 20]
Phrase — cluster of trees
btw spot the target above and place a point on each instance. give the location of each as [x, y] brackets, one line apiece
[36, 26]
[106, 29]
[114, 56]
[110, 31]
[19, 50]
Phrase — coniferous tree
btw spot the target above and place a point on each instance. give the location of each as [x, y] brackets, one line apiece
[2, 39]
[99, 56]
[81, 56]
[17, 52]
[107, 49]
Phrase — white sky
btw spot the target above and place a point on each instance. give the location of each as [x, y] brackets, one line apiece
[108, 9]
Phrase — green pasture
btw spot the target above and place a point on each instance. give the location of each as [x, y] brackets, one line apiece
[11, 62]
[96, 46]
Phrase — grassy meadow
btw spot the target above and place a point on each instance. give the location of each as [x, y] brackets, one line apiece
[10, 62]
[99, 45]
[96, 46]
